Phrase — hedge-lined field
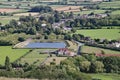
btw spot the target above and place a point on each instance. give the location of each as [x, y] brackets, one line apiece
[35, 57]
[89, 11]
[13, 54]
[112, 4]
[6, 19]
[101, 33]
[104, 76]
[89, 49]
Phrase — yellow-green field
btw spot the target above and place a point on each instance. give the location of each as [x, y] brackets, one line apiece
[101, 33]
[13, 54]
[89, 11]
[6, 19]
[105, 76]
[89, 49]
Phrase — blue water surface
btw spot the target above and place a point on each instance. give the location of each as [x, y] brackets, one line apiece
[46, 45]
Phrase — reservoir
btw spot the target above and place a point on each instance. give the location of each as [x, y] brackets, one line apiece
[46, 45]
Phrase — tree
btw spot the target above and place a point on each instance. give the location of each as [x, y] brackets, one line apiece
[71, 15]
[31, 31]
[85, 66]
[92, 13]
[21, 39]
[102, 52]
[97, 67]
[73, 30]
[7, 64]
[51, 20]
[67, 37]
[57, 31]
[112, 64]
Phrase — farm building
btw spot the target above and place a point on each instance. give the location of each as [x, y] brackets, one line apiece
[65, 52]
[117, 44]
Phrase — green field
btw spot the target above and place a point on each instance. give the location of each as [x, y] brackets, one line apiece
[117, 12]
[89, 49]
[12, 53]
[105, 76]
[14, 37]
[113, 4]
[34, 57]
[101, 33]
[6, 19]
[89, 11]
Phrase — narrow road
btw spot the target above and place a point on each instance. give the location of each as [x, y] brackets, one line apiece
[79, 47]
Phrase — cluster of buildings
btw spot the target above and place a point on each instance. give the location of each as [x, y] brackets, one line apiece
[65, 52]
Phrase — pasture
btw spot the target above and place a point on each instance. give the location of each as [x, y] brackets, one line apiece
[112, 4]
[14, 37]
[68, 8]
[38, 56]
[105, 76]
[35, 57]
[117, 12]
[13, 54]
[54, 59]
[89, 49]
[89, 11]
[101, 33]
[8, 10]
[72, 45]
[26, 14]
[6, 19]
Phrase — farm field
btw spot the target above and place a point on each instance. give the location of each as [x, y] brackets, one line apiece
[117, 12]
[9, 10]
[5, 78]
[89, 11]
[104, 76]
[13, 37]
[26, 14]
[68, 8]
[57, 60]
[113, 4]
[72, 45]
[35, 57]
[13, 54]
[89, 49]
[101, 33]
[6, 19]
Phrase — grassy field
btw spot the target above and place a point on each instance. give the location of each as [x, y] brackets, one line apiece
[101, 33]
[14, 37]
[117, 12]
[12, 53]
[113, 4]
[89, 49]
[89, 11]
[72, 45]
[6, 19]
[35, 57]
[104, 76]
[54, 57]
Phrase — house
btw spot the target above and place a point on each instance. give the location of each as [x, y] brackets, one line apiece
[65, 52]
[116, 44]
[43, 25]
